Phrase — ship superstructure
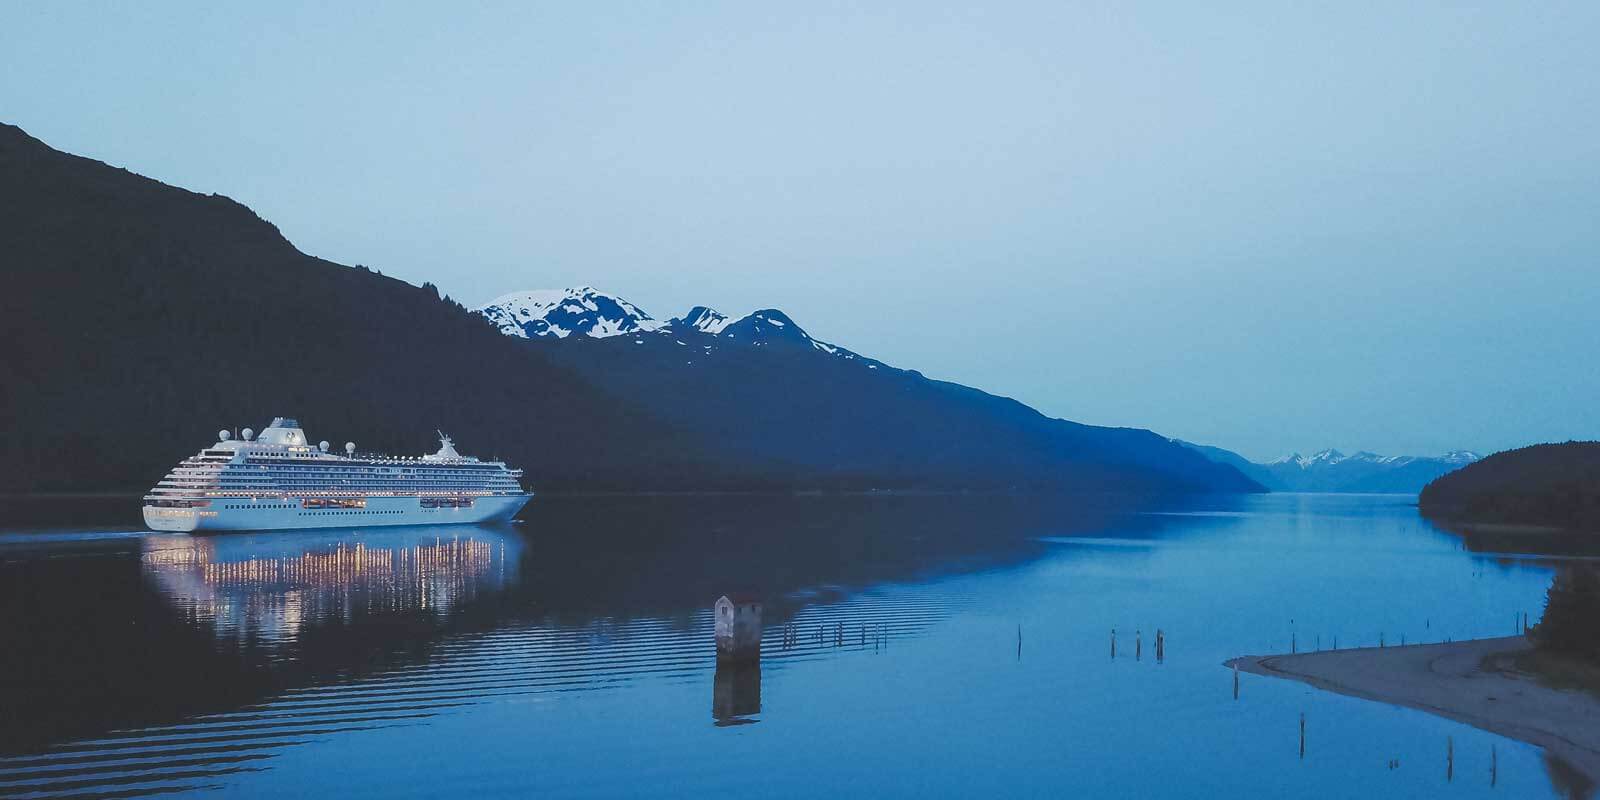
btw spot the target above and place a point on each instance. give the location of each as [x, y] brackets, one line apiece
[281, 480]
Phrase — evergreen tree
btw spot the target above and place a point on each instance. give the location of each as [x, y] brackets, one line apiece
[1571, 622]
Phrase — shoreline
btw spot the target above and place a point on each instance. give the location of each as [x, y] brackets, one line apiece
[1474, 682]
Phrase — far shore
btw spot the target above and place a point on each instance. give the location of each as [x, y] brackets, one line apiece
[1475, 682]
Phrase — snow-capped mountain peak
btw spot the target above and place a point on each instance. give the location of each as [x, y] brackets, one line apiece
[589, 313]
[1327, 457]
[766, 324]
[560, 313]
[706, 320]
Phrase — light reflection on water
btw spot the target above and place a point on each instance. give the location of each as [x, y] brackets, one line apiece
[266, 586]
[912, 647]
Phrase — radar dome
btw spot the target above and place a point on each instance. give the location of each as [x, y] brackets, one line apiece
[223, 435]
[350, 447]
[249, 433]
[323, 445]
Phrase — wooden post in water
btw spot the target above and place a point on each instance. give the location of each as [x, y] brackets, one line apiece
[1138, 644]
[1319, 642]
[1380, 639]
[1294, 644]
[1302, 734]
[1494, 766]
[1019, 641]
[1236, 680]
[1336, 641]
[1161, 646]
[1449, 758]
[1113, 643]
[1402, 640]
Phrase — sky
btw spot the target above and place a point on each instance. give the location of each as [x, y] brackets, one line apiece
[1264, 227]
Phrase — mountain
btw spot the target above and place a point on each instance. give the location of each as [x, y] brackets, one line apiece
[589, 312]
[1333, 471]
[760, 382]
[1256, 472]
[139, 318]
[1556, 485]
[582, 311]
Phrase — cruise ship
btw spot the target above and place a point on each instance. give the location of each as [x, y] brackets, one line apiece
[280, 480]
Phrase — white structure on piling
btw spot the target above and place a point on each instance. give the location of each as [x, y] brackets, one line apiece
[738, 627]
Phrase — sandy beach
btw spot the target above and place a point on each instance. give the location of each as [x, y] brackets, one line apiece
[1475, 682]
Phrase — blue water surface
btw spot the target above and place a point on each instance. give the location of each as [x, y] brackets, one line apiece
[914, 646]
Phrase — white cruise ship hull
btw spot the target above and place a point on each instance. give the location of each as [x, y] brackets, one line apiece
[243, 514]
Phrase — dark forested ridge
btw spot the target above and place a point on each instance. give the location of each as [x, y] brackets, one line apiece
[1555, 485]
[139, 318]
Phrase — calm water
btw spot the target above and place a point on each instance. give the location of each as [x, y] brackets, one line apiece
[572, 655]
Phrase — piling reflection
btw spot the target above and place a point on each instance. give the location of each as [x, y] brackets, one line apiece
[736, 694]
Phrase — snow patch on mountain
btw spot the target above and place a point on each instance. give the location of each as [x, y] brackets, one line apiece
[705, 320]
[560, 313]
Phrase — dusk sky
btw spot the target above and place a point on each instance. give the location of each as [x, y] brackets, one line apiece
[1269, 229]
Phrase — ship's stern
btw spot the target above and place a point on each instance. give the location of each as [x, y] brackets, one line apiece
[177, 520]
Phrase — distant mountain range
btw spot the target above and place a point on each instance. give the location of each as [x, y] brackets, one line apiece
[1333, 471]
[206, 317]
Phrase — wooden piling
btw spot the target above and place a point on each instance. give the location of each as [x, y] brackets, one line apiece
[1113, 642]
[1138, 644]
[1294, 644]
[1019, 641]
[1236, 680]
[1494, 765]
[1449, 758]
[1302, 734]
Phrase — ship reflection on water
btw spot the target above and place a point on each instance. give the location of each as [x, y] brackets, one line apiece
[267, 587]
